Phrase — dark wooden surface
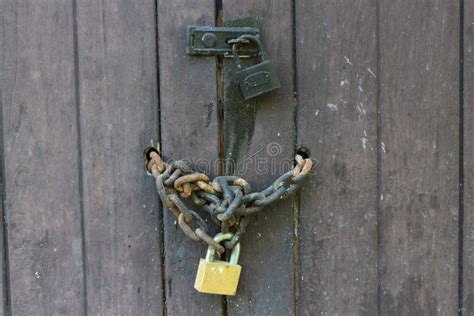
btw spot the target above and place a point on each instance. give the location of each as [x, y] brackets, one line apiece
[117, 93]
[419, 111]
[468, 165]
[379, 92]
[41, 161]
[337, 121]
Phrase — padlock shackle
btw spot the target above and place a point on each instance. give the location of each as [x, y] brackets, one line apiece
[234, 256]
[239, 41]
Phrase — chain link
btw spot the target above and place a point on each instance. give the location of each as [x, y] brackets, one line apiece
[228, 199]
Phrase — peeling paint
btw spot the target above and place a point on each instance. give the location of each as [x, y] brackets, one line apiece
[344, 83]
[364, 141]
[371, 72]
[347, 60]
[332, 106]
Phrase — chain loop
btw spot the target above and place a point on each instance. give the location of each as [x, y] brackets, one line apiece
[228, 199]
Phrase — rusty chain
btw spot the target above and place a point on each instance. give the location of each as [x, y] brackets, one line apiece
[228, 199]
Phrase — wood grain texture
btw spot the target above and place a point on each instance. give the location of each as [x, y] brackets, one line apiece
[468, 255]
[41, 158]
[419, 66]
[188, 131]
[378, 106]
[337, 122]
[118, 114]
[4, 283]
[259, 143]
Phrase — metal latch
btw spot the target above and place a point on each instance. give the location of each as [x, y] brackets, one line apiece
[209, 40]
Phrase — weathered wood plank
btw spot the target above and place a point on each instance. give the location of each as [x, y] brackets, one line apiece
[337, 122]
[419, 68]
[189, 130]
[118, 114]
[4, 299]
[41, 158]
[468, 255]
[259, 142]
[4, 283]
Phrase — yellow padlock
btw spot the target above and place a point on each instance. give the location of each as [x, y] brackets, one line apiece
[219, 277]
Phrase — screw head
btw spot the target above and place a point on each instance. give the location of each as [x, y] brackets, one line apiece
[209, 40]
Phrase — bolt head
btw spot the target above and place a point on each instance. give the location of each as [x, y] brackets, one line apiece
[209, 40]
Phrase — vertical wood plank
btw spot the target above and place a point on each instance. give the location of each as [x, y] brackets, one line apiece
[118, 114]
[419, 51]
[468, 255]
[337, 121]
[41, 158]
[259, 146]
[189, 130]
[4, 281]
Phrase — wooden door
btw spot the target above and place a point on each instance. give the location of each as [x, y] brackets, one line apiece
[379, 92]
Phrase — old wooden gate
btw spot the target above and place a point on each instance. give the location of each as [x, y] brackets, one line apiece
[380, 92]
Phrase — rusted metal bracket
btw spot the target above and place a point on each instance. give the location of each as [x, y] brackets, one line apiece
[209, 41]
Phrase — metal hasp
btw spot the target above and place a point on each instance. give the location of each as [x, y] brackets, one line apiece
[210, 40]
